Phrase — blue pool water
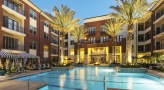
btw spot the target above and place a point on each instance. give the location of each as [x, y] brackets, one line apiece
[96, 78]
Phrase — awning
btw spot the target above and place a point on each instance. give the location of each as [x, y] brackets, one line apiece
[27, 55]
[7, 55]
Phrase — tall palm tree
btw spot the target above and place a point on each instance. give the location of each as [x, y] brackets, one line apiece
[112, 28]
[79, 33]
[64, 22]
[131, 11]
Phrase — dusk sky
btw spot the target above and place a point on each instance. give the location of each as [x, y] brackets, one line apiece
[83, 8]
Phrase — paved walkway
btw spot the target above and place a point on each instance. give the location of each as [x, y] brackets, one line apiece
[20, 85]
[156, 73]
[7, 84]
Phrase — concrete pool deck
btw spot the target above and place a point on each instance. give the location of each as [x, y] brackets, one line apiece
[6, 82]
[20, 85]
[156, 73]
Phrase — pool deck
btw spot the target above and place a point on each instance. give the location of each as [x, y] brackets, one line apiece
[156, 73]
[6, 82]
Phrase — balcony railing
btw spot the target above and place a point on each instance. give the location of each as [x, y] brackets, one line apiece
[159, 30]
[159, 14]
[54, 31]
[54, 41]
[92, 33]
[54, 52]
[13, 27]
[158, 47]
[9, 4]
[12, 47]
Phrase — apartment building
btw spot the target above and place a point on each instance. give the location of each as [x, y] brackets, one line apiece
[25, 28]
[148, 33]
[158, 27]
[98, 46]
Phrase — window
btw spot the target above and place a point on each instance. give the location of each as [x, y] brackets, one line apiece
[147, 47]
[140, 26]
[105, 39]
[91, 40]
[11, 24]
[66, 36]
[82, 41]
[45, 35]
[157, 45]
[141, 38]
[91, 30]
[46, 23]
[102, 29]
[14, 6]
[10, 43]
[72, 52]
[158, 30]
[72, 42]
[141, 48]
[65, 52]
[65, 44]
[45, 48]
[119, 38]
[132, 36]
[32, 14]
[33, 45]
[32, 30]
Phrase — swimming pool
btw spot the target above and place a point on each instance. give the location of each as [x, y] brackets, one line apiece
[96, 78]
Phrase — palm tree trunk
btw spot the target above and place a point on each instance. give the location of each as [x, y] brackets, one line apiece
[114, 49]
[62, 55]
[78, 48]
[129, 44]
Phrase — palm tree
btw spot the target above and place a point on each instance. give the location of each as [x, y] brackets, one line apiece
[112, 28]
[64, 22]
[131, 11]
[79, 33]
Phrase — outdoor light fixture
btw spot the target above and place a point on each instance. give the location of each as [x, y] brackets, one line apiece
[85, 38]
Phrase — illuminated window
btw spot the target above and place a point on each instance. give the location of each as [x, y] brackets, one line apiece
[46, 48]
[72, 52]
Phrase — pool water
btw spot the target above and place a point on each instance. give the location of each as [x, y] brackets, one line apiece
[96, 78]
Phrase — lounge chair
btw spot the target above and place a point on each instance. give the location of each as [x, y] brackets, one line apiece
[48, 66]
[43, 67]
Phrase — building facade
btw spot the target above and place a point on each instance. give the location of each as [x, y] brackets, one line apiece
[25, 28]
[98, 46]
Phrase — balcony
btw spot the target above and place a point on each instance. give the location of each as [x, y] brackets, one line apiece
[159, 32]
[54, 32]
[13, 29]
[54, 42]
[159, 48]
[13, 9]
[12, 48]
[159, 16]
[92, 33]
[54, 53]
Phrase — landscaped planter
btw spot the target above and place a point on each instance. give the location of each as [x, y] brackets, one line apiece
[2, 72]
[133, 70]
[62, 68]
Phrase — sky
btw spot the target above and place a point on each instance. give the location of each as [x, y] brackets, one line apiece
[83, 8]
